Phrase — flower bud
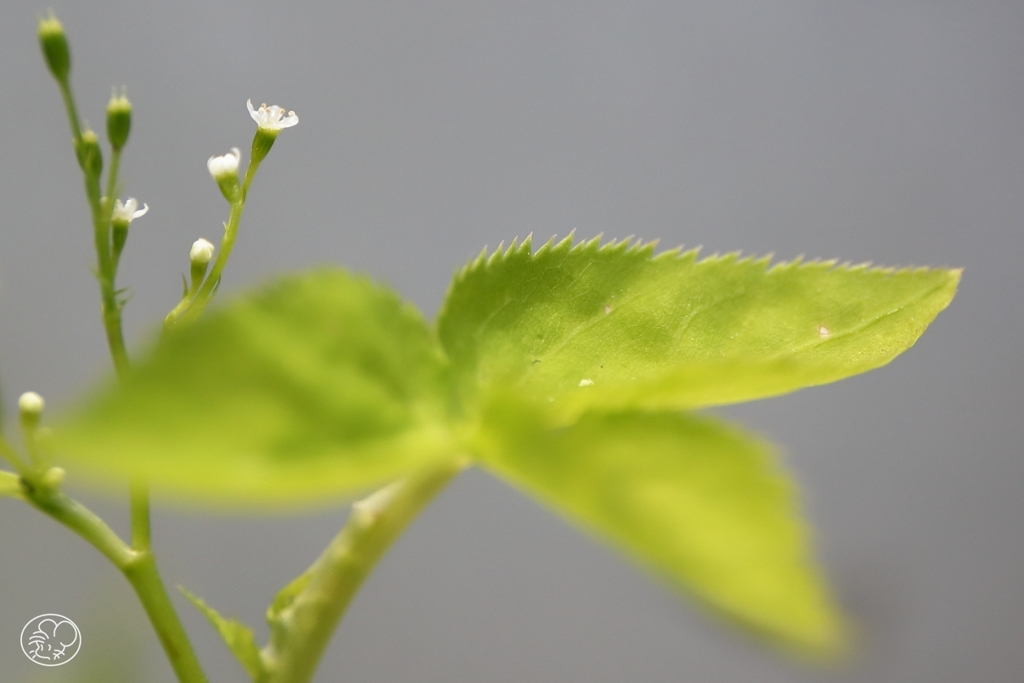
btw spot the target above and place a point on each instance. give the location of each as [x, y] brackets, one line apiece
[53, 478]
[200, 255]
[90, 158]
[201, 252]
[119, 120]
[224, 170]
[55, 47]
[30, 408]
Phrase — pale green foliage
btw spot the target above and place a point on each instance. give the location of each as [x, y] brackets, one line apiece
[237, 636]
[10, 485]
[315, 385]
[557, 370]
[700, 503]
[673, 331]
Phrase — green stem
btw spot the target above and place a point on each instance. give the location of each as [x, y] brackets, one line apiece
[305, 626]
[145, 579]
[79, 519]
[69, 106]
[139, 567]
[102, 211]
[191, 307]
[115, 164]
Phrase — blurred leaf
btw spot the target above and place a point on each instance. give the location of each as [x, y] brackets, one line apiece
[237, 636]
[612, 326]
[315, 386]
[699, 502]
[10, 485]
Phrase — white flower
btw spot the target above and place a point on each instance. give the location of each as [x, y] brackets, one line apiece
[126, 213]
[224, 166]
[31, 403]
[271, 118]
[201, 252]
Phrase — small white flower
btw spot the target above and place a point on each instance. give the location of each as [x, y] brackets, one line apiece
[128, 211]
[30, 403]
[201, 252]
[224, 166]
[271, 118]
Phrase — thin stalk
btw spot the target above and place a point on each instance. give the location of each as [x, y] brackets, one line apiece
[306, 625]
[81, 520]
[69, 106]
[112, 325]
[115, 164]
[192, 307]
[108, 211]
[145, 579]
[138, 565]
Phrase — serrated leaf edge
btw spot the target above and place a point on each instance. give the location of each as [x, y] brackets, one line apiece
[631, 245]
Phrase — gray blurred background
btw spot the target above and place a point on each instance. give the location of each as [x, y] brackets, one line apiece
[890, 132]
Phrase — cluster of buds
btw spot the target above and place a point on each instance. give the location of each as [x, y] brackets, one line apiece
[270, 120]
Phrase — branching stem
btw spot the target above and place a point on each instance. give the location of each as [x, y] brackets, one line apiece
[138, 566]
[192, 306]
[136, 562]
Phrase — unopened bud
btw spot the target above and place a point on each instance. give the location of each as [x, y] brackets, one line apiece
[55, 47]
[119, 119]
[201, 252]
[200, 255]
[31, 403]
[30, 408]
[53, 478]
[90, 158]
[224, 170]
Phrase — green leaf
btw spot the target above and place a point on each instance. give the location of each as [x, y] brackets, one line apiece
[316, 386]
[237, 636]
[613, 326]
[695, 500]
[10, 485]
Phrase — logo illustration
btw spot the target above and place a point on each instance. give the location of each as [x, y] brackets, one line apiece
[50, 640]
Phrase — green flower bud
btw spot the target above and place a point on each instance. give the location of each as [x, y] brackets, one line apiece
[90, 158]
[119, 120]
[55, 47]
[30, 408]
